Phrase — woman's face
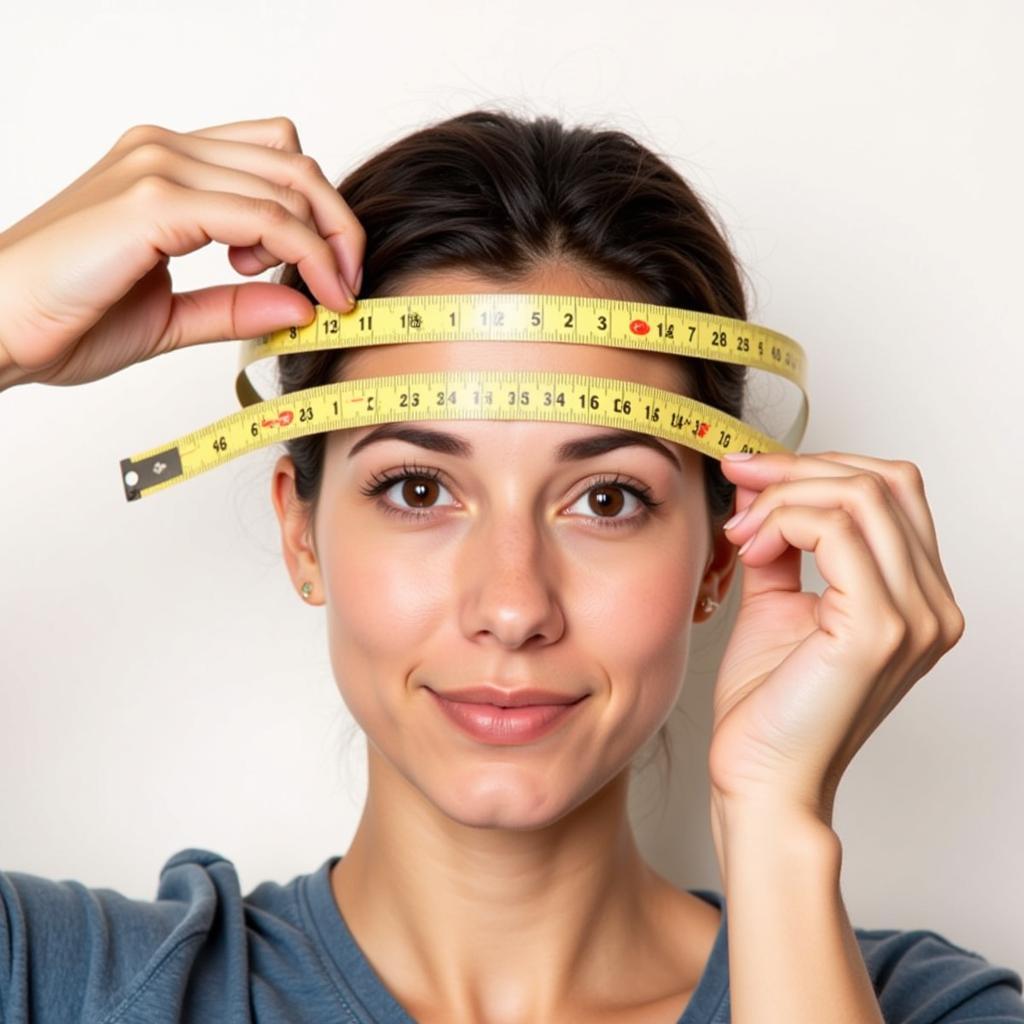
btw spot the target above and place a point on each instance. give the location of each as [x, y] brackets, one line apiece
[514, 567]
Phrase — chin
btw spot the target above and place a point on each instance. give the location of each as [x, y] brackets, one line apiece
[503, 798]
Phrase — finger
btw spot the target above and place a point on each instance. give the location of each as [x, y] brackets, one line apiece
[192, 218]
[229, 311]
[276, 132]
[251, 259]
[907, 485]
[908, 574]
[292, 169]
[744, 498]
[195, 173]
[767, 467]
[860, 598]
[784, 572]
[771, 466]
[190, 172]
[95, 185]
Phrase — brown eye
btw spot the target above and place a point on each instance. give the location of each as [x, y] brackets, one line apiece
[606, 500]
[415, 490]
[418, 491]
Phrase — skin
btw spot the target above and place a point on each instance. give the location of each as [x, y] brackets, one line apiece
[574, 916]
[475, 868]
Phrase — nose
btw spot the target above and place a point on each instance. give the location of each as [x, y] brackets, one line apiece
[508, 580]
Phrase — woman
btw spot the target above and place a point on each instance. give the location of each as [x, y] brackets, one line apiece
[494, 875]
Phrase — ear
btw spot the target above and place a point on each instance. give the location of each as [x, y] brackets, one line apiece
[295, 519]
[718, 574]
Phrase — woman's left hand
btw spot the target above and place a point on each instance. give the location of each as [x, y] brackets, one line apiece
[807, 678]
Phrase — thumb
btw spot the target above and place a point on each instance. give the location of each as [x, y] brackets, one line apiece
[234, 311]
[782, 573]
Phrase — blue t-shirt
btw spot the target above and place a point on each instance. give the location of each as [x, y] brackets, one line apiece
[203, 952]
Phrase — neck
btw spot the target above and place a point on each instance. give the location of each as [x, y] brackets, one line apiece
[455, 916]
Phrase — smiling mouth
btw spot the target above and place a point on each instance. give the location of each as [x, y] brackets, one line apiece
[497, 697]
[496, 725]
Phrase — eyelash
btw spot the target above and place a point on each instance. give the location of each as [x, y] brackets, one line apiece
[384, 481]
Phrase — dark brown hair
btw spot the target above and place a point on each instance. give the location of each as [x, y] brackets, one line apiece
[498, 195]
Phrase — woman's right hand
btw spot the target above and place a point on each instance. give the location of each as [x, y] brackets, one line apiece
[84, 286]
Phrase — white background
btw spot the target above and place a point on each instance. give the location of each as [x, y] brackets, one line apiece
[161, 683]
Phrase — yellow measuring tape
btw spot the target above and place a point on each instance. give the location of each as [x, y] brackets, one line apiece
[488, 394]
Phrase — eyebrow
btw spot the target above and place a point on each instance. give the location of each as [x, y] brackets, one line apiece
[569, 451]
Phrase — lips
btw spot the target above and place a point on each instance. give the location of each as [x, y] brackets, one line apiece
[509, 726]
[523, 697]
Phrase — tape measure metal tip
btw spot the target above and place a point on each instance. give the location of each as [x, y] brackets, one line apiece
[154, 469]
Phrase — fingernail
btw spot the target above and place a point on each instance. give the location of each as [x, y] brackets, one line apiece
[359, 281]
[348, 291]
[736, 519]
[738, 456]
[749, 541]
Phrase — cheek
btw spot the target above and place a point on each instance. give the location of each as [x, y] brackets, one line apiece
[651, 635]
[634, 599]
[383, 606]
[381, 595]
[638, 628]
[648, 598]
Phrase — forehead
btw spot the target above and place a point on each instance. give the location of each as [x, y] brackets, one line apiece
[656, 369]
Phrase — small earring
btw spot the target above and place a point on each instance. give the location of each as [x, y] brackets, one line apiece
[307, 589]
[708, 606]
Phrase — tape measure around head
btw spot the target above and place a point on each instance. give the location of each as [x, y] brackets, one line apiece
[487, 394]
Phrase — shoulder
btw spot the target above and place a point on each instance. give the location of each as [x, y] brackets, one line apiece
[70, 952]
[922, 976]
